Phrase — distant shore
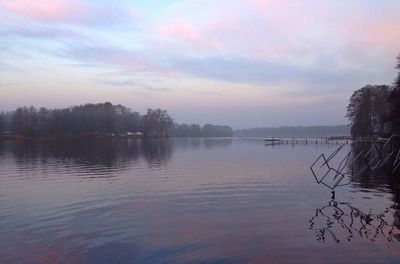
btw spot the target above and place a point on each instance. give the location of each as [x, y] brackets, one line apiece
[22, 137]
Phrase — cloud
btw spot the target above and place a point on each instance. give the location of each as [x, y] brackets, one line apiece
[123, 59]
[314, 45]
[65, 11]
[134, 84]
[233, 69]
[48, 11]
[242, 70]
[298, 49]
[176, 30]
[285, 29]
[41, 32]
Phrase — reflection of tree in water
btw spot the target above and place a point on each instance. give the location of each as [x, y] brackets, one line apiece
[1, 151]
[187, 143]
[157, 152]
[382, 179]
[1, 147]
[341, 220]
[104, 153]
[197, 143]
[381, 175]
[212, 143]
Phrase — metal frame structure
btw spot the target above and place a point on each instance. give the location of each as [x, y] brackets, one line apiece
[374, 158]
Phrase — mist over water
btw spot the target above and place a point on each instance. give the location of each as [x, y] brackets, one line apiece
[187, 201]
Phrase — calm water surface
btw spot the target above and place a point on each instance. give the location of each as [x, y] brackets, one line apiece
[187, 201]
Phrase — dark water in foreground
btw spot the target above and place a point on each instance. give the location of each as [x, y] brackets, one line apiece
[187, 201]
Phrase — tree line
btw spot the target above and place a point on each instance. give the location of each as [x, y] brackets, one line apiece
[102, 119]
[374, 110]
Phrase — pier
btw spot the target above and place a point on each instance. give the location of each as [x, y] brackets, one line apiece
[306, 141]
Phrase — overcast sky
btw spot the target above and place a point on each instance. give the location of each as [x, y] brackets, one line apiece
[235, 62]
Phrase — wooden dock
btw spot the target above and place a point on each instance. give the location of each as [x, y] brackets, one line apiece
[306, 141]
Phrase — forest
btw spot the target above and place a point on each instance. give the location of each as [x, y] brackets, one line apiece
[102, 119]
[374, 110]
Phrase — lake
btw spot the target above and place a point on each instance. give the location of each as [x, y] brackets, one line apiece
[187, 201]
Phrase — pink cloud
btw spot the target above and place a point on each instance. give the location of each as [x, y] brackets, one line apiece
[67, 11]
[279, 29]
[372, 32]
[252, 28]
[181, 30]
[48, 11]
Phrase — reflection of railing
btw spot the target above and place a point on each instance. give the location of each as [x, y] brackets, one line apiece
[339, 219]
[379, 157]
[396, 163]
[326, 172]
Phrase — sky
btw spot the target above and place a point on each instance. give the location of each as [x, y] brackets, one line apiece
[251, 63]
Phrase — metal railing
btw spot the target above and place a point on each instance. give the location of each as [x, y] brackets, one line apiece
[331, 175]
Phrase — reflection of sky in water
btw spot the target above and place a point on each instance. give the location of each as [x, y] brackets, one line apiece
[180, 200]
